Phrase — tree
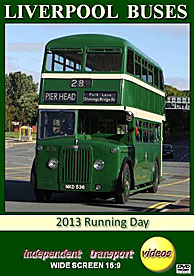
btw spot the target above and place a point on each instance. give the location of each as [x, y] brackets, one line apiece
[172, 91]
[21, 98]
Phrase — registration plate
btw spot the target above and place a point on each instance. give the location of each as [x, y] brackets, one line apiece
[75, 187]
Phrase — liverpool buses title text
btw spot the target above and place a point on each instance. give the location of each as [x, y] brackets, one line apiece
[96, 11]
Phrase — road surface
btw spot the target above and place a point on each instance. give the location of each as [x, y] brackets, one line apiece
[19, 196]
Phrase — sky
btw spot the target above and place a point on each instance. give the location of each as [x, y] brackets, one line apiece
[167, 44]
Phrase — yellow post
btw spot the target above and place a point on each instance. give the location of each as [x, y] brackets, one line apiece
[20, 134]
[25, 134]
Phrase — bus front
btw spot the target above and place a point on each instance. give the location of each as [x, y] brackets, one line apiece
[84, 133]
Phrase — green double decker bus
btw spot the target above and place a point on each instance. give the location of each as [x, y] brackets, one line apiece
[101, 111]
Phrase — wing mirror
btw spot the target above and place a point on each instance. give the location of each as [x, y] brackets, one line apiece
[129, 116]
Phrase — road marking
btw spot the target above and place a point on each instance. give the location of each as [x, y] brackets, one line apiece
[174, 183]
[8, 173]
[17, 168]
[157, 206]
[30, 149]
[170, 174]
[175, 175]
[184, 156]
[166, 209]
[18, 163]
[21, 156]
[19, 178]
[172, 195]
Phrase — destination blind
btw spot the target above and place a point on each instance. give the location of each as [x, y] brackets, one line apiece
[100, 97]
[60, 96]
[88, 97]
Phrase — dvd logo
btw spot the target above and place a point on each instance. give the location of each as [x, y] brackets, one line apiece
[183, 268]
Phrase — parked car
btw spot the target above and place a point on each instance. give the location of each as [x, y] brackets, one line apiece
[168, 151]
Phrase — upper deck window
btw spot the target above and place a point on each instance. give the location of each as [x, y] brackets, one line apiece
[103, 60]
[64, 60]
[161, 81]
[156, 76]
[130, 62]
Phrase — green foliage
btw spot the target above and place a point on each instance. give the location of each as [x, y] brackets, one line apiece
[172, 91]
[21, 98]
[177, 123]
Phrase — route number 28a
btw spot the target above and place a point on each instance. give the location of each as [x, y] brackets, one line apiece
[81, 83]
[77, 83]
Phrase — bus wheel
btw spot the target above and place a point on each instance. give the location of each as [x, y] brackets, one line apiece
[126, 183]
[33, 175]
[33, 178]
[154, 188]
[42, 195]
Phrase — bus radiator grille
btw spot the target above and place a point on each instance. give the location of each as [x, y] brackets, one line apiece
[76, 165]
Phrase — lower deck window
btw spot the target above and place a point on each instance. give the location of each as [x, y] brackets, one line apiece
[147, 132]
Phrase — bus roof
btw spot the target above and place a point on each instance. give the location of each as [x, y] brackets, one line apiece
[95, 40]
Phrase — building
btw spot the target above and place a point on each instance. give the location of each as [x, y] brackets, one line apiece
[178, 103]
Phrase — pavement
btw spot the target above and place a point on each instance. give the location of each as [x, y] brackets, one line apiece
[10, 142]
[182, 205]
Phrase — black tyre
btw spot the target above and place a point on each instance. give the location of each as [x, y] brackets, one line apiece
[125, 184]
[33, 179]
[42, 195]
[33, 175]
[154, 188]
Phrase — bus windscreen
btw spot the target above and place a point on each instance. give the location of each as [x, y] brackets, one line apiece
[64, 61]
[103, 61]
[56, 123]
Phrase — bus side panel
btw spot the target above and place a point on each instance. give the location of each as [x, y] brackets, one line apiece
[47, 179]
[142, 172]
[154, 155]
[142, 98]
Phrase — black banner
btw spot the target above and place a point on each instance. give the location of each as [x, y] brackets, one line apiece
[60, 96]
[100, 97]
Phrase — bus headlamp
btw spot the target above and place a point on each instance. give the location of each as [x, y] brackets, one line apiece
[98, 165]
[53, 163]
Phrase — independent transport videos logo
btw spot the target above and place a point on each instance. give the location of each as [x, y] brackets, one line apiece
[183, 268]
[158, 254]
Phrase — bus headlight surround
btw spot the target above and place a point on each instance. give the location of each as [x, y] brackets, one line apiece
[53, 163]
[39, 147]
[98, 165]
[98, 187]
[113, 150]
